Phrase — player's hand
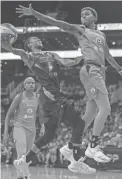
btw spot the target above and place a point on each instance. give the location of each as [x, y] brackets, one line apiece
[5, 44]
[24, 11]
[78, 60]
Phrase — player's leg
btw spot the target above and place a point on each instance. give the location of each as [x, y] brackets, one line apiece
[91, 107]
[72, 151]
[20, 144]
[50, 132]
[93, 151]
[90, 113]
[96, 90]
[30, 137]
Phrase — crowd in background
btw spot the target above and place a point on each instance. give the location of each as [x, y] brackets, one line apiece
[110, 137]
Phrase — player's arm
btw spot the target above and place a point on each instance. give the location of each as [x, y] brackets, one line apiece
[111, 60]
[66, 62]
[15, 103]
[7, 46]
[49, 20]
[20, 52]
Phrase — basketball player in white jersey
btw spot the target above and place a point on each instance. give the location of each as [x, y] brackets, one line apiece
[24, 108]
[94, 49]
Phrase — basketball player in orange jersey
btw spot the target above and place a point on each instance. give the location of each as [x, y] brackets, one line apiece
[24, 108]
[55, 106]
[94, 49]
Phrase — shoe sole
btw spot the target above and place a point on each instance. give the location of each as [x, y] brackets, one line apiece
[96, 159]
[79, 171]
[101, 161]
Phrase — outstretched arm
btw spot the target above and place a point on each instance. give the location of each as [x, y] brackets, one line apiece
[66, 62]
[20, 52]
[111, 60]
[61, 24]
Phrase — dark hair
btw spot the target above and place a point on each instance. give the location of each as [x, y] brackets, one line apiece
[26, 44]
[92, 11]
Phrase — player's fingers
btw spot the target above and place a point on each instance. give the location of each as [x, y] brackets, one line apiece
[19, 12]
[30, 6]
[21, 15]
[22, 6]
[19, 9]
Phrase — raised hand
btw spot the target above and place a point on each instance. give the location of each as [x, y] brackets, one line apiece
[24, 11]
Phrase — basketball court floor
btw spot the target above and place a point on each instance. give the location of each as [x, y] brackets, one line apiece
[8, 172]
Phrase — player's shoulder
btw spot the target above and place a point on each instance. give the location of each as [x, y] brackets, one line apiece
[100, 32]
[81, 28]
[18, 97]
[47, 53]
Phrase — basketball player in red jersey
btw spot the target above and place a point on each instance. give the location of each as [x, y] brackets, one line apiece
[95, 50]
[54, 104]
[24, 110]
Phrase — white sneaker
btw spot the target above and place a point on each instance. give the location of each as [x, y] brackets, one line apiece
[67, 153]
[97, 154]
[76, 166]
[22, 166]
[80, 167]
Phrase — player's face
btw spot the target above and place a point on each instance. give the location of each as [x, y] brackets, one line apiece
[36, 43]
[30, 85]
[87, 18]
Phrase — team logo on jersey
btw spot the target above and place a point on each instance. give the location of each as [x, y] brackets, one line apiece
[25, 116]
[98, 40]
[29, 110]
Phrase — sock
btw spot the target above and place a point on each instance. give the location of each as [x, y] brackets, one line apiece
[95, 141]
[77, 153]
[30, 155]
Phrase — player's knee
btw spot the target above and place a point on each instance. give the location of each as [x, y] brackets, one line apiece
[106, 109]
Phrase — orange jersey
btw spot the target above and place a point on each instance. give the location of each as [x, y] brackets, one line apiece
[25, 116]
[92, 44]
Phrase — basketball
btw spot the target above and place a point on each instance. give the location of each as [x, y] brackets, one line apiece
[8, 33]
